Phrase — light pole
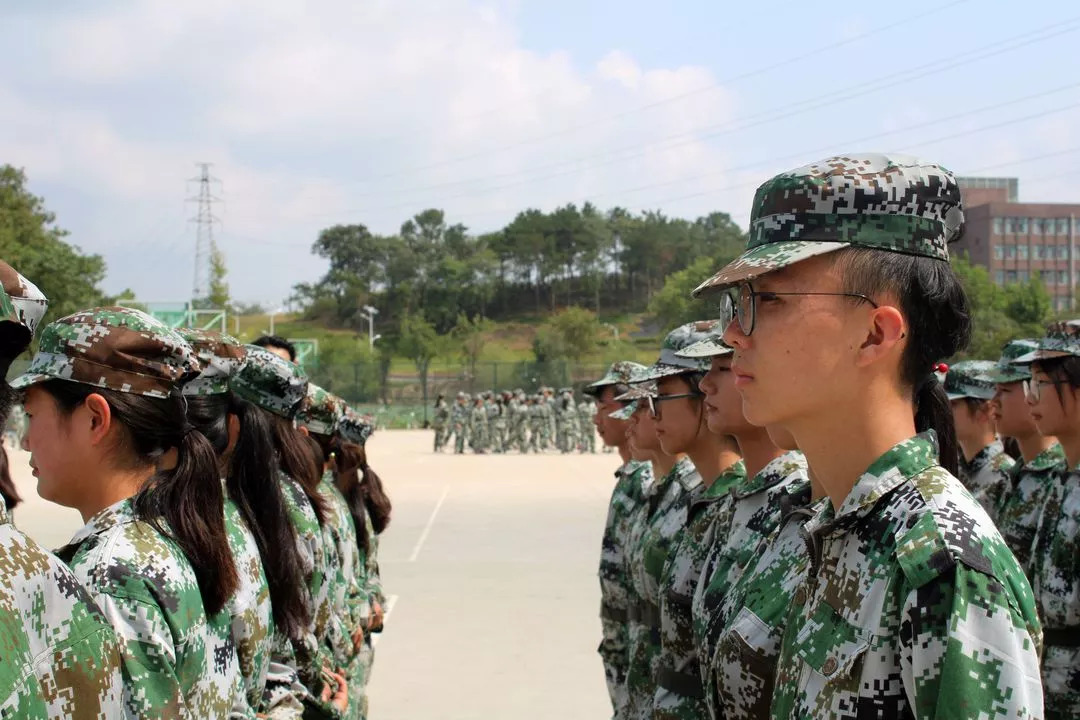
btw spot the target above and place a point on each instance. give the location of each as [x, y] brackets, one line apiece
[276, 312]
[370, 313]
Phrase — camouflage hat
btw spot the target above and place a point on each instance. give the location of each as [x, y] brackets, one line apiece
[618, 374]
[270, 382]
[355, 428]
[711, 346]
[220, 355]
[320, 412]
[1062, 339]
[116, 348]
[22, 306]
[670, 361]
[970, 379]
[894, 203]
[1006, 370]
[625, 411]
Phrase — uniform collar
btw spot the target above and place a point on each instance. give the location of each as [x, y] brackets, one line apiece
[5, 516]
[686, 474]
[775, 472]
[1047, 459]
[118, 513]
[982, 458]
[730, 478]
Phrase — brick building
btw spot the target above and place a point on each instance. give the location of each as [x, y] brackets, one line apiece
[1017, 241]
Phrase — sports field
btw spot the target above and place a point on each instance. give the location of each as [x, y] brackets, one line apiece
[489, 564]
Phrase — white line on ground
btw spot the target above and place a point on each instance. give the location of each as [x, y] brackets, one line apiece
[427, 528]
[390, 603]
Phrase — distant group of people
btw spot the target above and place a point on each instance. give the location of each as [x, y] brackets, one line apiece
[228, 564]
[499, 422]
[815, 518]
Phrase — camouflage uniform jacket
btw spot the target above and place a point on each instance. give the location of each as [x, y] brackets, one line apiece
[746, 518]
[339, 538]
[651, 539]
[1018, 512]
[60, 657]
[913, 607]
[615, 591]
[987, 476]
[679, 693]
[1057, 592]
[251, 617]
[176, 661]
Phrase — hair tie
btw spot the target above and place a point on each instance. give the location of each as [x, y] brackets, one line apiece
[941, 368]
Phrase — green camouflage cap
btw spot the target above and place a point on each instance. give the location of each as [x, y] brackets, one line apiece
[354, 427]
[711, 346]
[625, 411]
[1062, 339]
[115, 348]
[270, 382]
[1007, 371]
[220, 355]
[618, 374]
[671, 362]
[22, 306]
[894, 203]
[970, 379]
[320, 412]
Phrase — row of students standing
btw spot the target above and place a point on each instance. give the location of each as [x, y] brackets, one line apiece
[227, 567]
[787, 537]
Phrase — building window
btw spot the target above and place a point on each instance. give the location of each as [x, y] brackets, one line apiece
[1022, 226]
[1063, 226]
[1010, 225]
[1036, 226]
[999, 252]
[999, 226]
[1022, 275]
[1063, 277]
[999, 277]
[1010, 276]
[1037, 252]
[1010, 252]
[1063, 252]
[1022, 252]
[1049, 227]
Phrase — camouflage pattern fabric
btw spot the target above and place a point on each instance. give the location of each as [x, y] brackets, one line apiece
[625, 411]
[269, 382]
[371, 586]
[1007, 371]
[459, 418]
[586, 410]
[353, 427]
[61, 658]
[987, 476]
[251, 619]
[220, 356]
[913, 606]
[894, 203]
[566, 423]
[22, 306]
[117, 348]
[175, 661]
[970, 379]
[651, 538]
[743, 520]
[679, 693]
[478, 428]
[319, 412]
[618, 374]
[1023, 498]
[439, 423]
[615, 590]
[1062, 339]
[1056, 584]
[670, 361]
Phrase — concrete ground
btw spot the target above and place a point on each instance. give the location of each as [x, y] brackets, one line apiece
[489, 565]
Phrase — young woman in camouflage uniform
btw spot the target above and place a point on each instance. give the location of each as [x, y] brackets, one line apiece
[61, 658]
[841, 307]
[1053, 393]
[110, 438]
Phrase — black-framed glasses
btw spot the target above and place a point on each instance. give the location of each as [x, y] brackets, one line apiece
[1033, 388]
[740, 304]
[654, 400]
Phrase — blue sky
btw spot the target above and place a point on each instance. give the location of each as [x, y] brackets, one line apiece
[371, 112]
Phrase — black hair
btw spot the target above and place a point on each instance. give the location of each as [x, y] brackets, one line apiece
[973, 404]
[295, 460]
[1062, 369]
[179, 496]
[8, 491]
[252, 483]
[939, 326]
[276, 341]
[363, 490]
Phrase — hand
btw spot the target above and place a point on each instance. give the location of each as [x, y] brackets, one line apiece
[376, 616]
[335, 690]
[358, 639]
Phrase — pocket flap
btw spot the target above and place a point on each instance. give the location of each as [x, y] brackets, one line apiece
[830, 644]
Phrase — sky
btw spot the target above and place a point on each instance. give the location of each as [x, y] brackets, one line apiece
[315, 114]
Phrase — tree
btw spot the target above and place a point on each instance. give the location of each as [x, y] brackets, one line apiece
[673, 305]
[571, 333]
[31, 242]
[469, 334]
[219, 289]
[418, 341]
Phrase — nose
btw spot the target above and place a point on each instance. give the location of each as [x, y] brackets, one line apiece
[734, 336]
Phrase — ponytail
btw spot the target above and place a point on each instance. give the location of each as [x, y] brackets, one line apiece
[251, 479]
[173, 501]
[934, 412]
[296, 460]
[363, 490]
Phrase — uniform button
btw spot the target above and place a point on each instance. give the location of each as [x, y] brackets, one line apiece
[800, 596]
[830, 666]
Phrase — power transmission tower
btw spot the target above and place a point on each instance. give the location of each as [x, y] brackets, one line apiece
[205, 247]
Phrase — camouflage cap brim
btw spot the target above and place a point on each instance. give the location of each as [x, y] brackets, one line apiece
[1005, 375]
[27, 379]
[625, 411]
[645, 389]
[22, 306]
[1041, 354]
[707, 348]
[765, 259]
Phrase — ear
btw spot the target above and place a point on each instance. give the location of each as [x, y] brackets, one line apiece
[99, 415]
[885, 334]
[303, 430]
[233, 428]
